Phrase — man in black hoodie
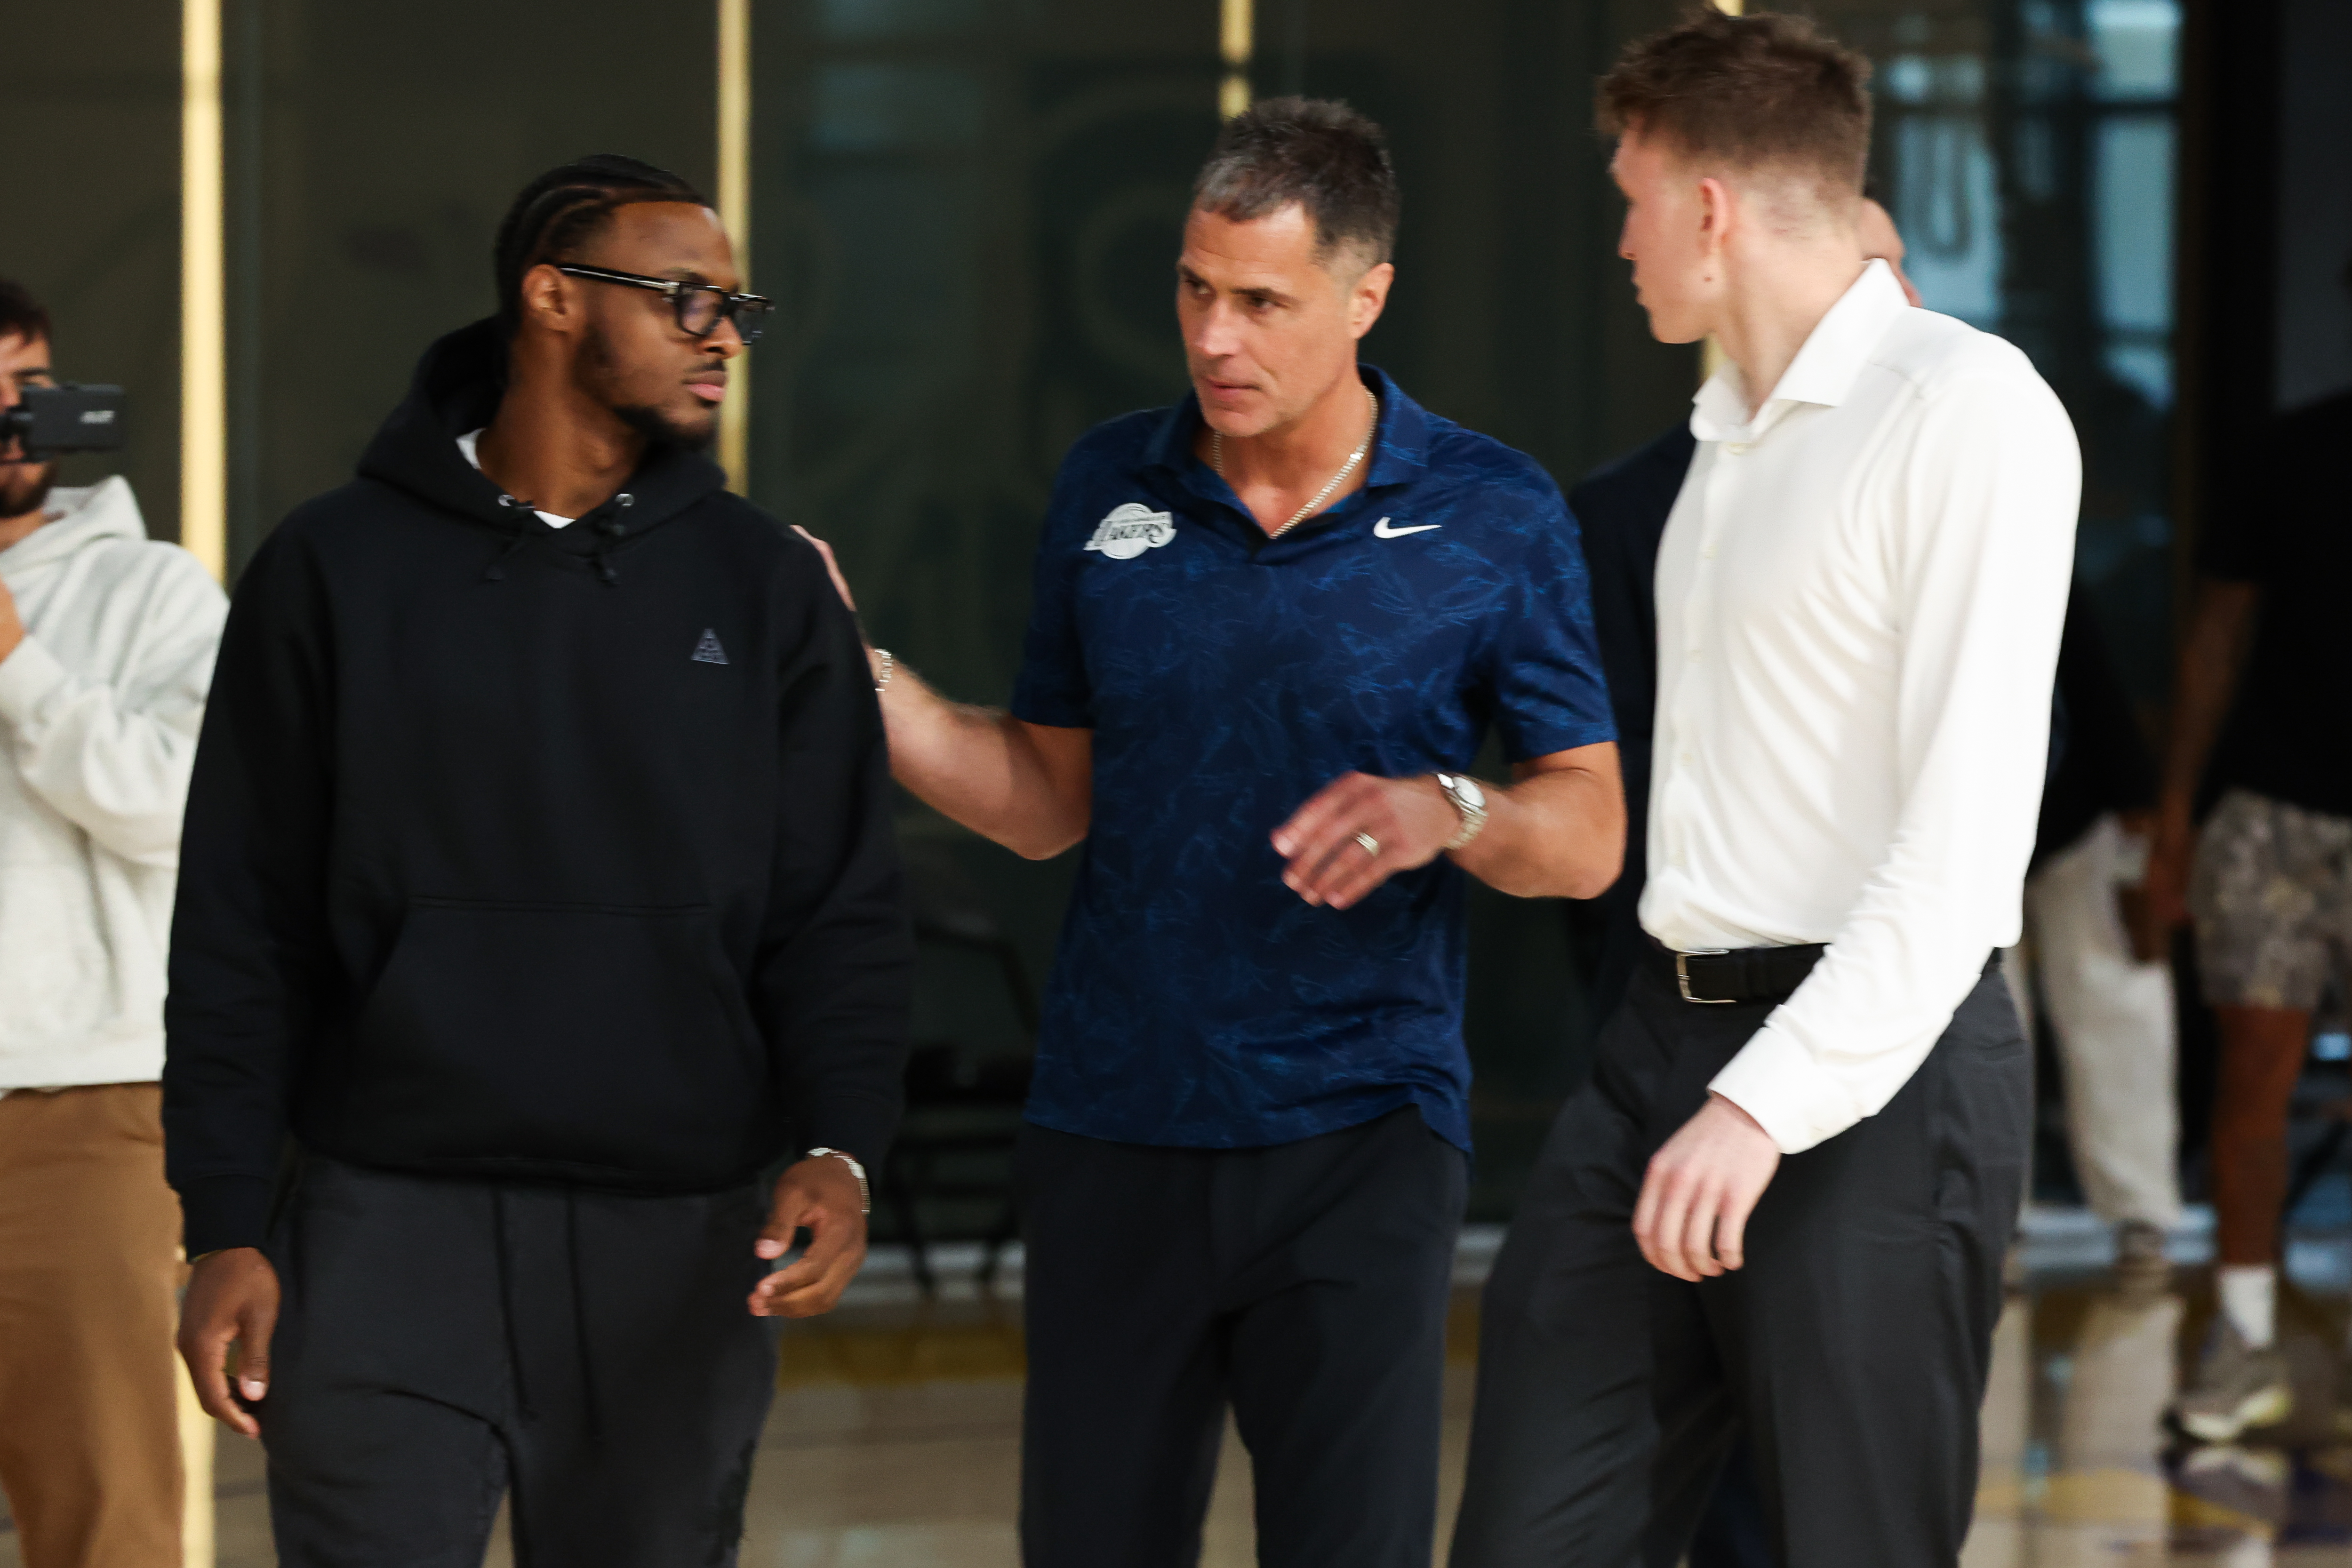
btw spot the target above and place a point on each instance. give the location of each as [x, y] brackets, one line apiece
[538, 895]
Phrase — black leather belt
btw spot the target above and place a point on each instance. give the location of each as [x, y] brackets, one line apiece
[1718, 977]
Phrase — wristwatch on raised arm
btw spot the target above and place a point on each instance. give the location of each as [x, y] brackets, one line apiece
[1470, 801]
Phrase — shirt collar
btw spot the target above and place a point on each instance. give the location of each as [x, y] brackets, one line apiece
[1824, 370]
[1399, 452]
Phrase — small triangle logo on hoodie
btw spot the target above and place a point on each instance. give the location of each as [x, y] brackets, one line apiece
[708, 650]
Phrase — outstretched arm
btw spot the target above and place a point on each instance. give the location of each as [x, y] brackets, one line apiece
[1029, 787]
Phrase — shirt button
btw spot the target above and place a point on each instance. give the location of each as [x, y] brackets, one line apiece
[1737, 448]
[1683, 757]
[1707, 553]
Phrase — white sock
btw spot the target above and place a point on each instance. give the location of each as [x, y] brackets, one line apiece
[2250, 1298]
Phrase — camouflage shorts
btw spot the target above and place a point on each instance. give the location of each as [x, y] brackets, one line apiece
[2271, 893]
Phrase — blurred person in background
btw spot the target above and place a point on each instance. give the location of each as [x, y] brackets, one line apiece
[1780, 1207]
[2110, 1007]
[541, 888]
[1271, 625]
[107, 640]
[2261, 719]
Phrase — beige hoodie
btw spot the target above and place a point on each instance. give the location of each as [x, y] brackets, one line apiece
[98, 710]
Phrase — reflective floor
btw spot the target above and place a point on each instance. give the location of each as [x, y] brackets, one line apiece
[894, 1436]
[2077, 1469]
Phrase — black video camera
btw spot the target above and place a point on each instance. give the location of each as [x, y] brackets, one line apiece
[50, 420]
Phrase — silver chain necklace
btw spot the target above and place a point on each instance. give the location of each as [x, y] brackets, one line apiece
[1217, 464]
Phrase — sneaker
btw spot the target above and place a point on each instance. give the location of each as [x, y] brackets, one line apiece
[2249, 1483]
[2139, 1250]
[2236, 1388]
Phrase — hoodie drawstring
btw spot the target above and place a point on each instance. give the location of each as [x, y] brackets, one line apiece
[515, 540]
[609, 530]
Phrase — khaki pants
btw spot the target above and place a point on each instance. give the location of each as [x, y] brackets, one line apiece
[90, 1446]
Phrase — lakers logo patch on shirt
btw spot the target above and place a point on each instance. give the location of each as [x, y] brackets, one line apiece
[1130, 530]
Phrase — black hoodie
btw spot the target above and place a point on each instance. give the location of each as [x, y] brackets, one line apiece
[512, 851]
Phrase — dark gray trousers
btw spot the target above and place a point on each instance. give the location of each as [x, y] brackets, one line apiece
[1852, 1349]
[442, 1342]
[1305, 1283]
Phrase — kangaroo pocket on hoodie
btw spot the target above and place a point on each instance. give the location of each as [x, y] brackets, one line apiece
[579, 1042]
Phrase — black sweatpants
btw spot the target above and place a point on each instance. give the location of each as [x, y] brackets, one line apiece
[1851, 1350]
[1304, 1283]
[441, 1341]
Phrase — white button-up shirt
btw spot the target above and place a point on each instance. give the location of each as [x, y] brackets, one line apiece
[1860, 591]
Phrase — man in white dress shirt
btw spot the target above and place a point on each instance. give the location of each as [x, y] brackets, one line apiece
[1780, 1206]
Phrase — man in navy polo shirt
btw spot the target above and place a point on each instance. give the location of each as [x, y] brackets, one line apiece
[1272, 626]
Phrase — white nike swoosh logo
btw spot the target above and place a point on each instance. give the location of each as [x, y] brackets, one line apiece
[1382, 530]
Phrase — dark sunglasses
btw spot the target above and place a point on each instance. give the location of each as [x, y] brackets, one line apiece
[701, 307]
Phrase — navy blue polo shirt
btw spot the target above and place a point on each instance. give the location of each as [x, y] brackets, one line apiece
[1196, 1002]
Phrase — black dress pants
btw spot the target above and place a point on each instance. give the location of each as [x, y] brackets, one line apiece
[1851, 1350]
[443, 1342]
[1305, 1283]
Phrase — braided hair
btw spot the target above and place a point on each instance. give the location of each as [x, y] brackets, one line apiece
[557, 212]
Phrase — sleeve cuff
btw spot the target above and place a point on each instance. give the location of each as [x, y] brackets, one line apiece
[28, 675]
[862, 1129]
[1777, 1082]
[1040, 700]
[222, 1212]
[1520, 748]
[1051, 714]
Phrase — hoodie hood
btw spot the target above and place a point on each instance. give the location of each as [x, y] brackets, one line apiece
[78, 518]
[560, 881]
[457, 389]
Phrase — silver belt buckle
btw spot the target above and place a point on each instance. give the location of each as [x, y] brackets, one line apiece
[1681, 975]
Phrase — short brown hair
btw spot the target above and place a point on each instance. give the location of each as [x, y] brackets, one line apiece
[1318, 153]
[21, 315]
[1762, 92]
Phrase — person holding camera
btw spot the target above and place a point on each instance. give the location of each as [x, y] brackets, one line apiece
[106, 652]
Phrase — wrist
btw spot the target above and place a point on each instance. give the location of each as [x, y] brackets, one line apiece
[842, 1157]
[1738, 1112]
[1470, 804]
[223, 1252]
[226, 1213]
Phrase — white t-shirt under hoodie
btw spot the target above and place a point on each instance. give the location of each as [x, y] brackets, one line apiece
[470, 445]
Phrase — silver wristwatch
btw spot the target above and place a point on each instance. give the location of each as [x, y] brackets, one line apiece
[865, 1192]
[1470, 801]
